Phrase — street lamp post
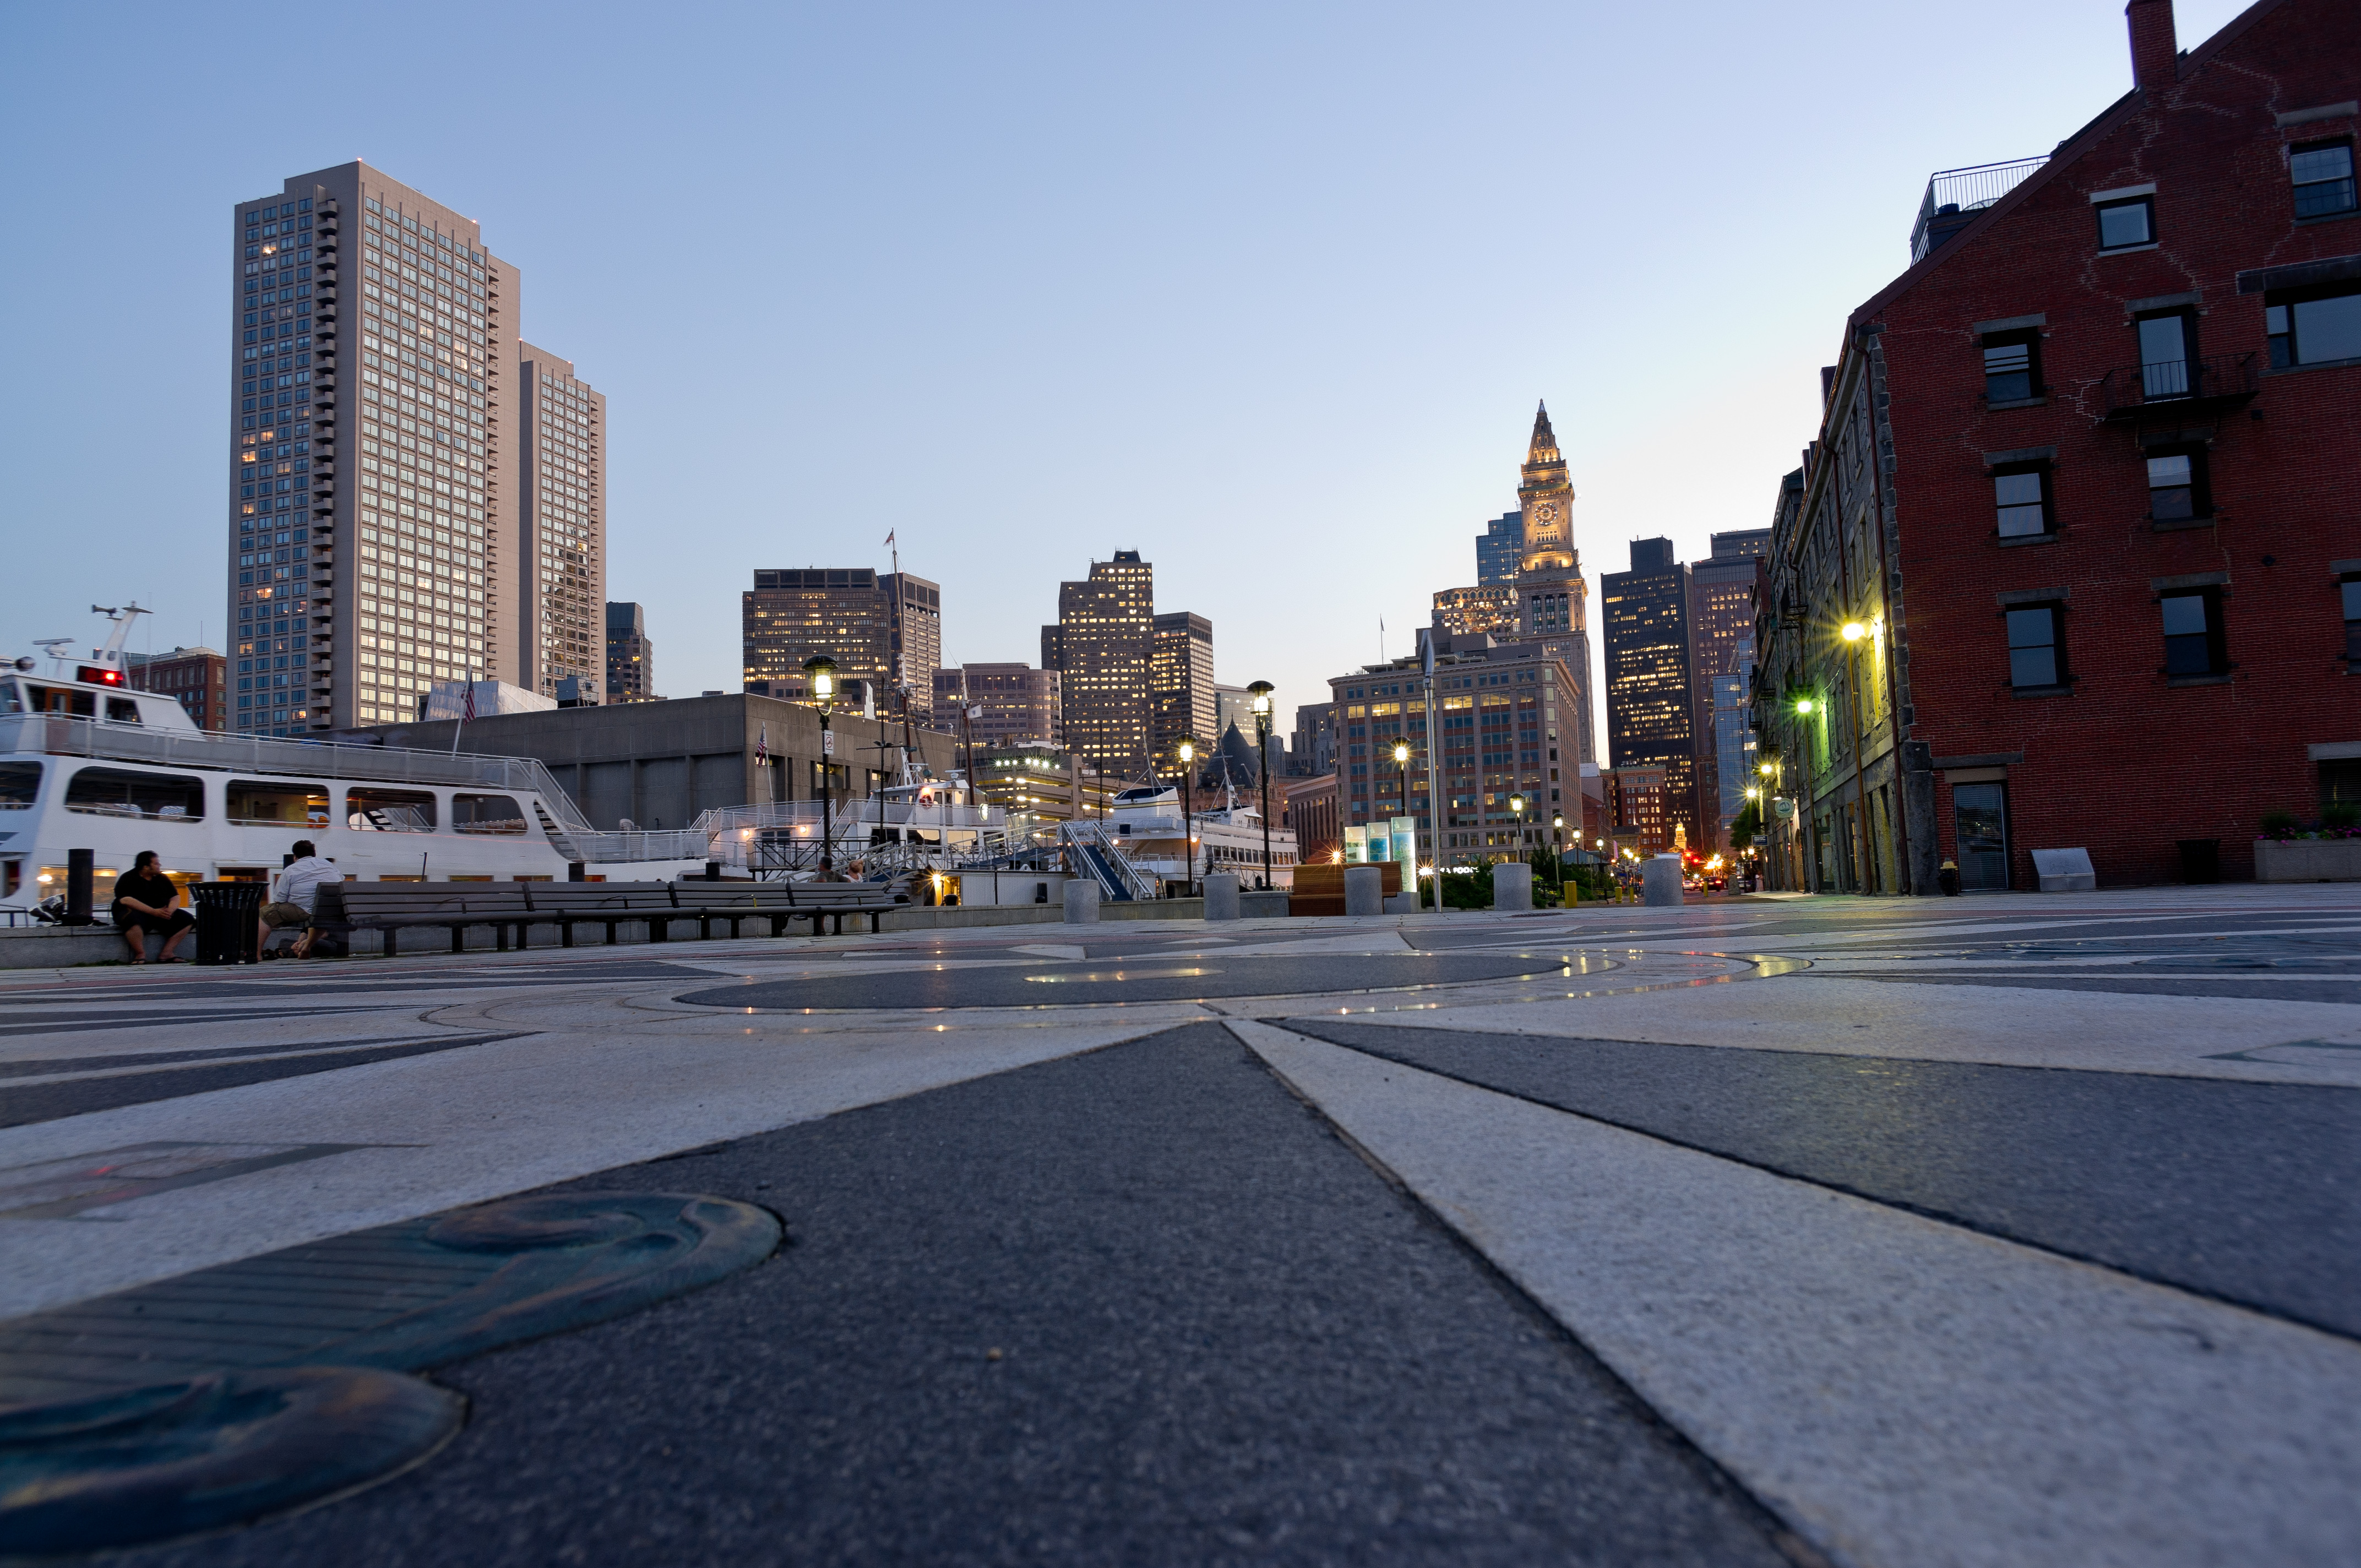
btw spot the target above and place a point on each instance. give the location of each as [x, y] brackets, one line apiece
[821, 671]
[1402, 761]
[1517, 805]
[1189, 812]
[1261, 690]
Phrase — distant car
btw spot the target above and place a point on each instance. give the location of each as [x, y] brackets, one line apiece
[1717, 885]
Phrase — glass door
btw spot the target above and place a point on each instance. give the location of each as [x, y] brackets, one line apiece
[1980, 823]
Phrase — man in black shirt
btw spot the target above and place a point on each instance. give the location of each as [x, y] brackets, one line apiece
[144, 897]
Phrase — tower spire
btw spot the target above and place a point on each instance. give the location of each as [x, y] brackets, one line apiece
[1544, 444]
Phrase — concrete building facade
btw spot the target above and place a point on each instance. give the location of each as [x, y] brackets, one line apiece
[562, 523]
[2083, 493]
[372, 487]
[1017, 704]
[658, 765]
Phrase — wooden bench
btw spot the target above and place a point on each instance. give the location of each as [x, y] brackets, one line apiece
[735, 902]
[391, 907]
[395, 907]
[567, 904]
[835, 900]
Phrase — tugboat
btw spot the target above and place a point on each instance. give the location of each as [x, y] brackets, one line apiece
[87, 763]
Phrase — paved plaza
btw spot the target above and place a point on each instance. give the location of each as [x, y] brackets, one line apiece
[2012, 1231]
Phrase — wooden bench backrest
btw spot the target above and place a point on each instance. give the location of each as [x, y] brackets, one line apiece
[595, 897]
[839, 894]
[368, 901]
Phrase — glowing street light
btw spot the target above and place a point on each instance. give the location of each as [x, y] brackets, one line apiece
[1262, 690]
[1189, 809]
[1852, 631]
[821, 669]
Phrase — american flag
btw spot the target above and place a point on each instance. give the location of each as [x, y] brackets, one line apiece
[763, 748]
[467, 710]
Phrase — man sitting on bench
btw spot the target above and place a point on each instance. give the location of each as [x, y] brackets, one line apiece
[293, 894]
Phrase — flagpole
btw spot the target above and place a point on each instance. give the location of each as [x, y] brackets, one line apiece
[467, 711]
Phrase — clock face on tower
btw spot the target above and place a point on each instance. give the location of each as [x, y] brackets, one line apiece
[1546, 513]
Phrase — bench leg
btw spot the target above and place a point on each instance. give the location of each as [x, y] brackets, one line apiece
[393, 940]
[875, 916]
[458, 939]
[610, 933]
[566, 933]
[816, 918]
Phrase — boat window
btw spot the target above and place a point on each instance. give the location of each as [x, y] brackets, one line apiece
[281, 803]
[62, 699]
[20, 785]
[373, 810]
[485, 813]
[120, 792]
[121, 710]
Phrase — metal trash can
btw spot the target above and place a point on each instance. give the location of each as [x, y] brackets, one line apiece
[2201, 861]
[226, 914]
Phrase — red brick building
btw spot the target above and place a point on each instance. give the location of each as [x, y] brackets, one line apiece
[2079, 558]
[199, 677]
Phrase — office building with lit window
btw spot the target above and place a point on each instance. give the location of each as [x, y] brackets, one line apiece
[1104, 644]
[562, 503]
[1652, 717]
[1181, 669]
[630, 654]
[372, 544]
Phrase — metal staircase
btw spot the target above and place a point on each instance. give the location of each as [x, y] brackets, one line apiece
[1093, 852]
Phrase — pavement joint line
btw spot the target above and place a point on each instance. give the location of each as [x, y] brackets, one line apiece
[1937, 1216]
[1588, 1285]
[1794, 1547]
[137, 1066]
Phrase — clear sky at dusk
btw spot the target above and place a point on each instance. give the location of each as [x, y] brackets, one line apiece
[1267, 293]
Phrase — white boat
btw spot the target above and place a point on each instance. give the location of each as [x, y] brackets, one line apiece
[87, 763]
[1151, 828]
[921, 823]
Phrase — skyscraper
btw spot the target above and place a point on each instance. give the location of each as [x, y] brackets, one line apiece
[562, 553]
[914, 609]
[1500, 549]
[838, 612]
[1552, 599]
[372, 536]
[1180, 669]
[630, 654]
[1104, 644]
[1652, 713]
[1722, 650]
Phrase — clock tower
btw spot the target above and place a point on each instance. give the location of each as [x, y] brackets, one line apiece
[1547, 496]
[1551, 593]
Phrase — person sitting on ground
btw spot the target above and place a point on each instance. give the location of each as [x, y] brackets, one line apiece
[293, 894]
[144, 897]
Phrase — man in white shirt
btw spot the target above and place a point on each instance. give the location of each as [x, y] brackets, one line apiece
[293, 894]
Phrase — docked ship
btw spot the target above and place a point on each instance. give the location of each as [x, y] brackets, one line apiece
[1149, 828]
[87, 763]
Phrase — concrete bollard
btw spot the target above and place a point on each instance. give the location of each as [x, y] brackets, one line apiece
[1512, 886]
[1081, 902]
[1222, 897]
[1364, 890]
[1661, 881]
[1403, 903]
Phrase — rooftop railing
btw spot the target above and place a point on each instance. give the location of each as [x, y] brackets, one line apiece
[1954, 195]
